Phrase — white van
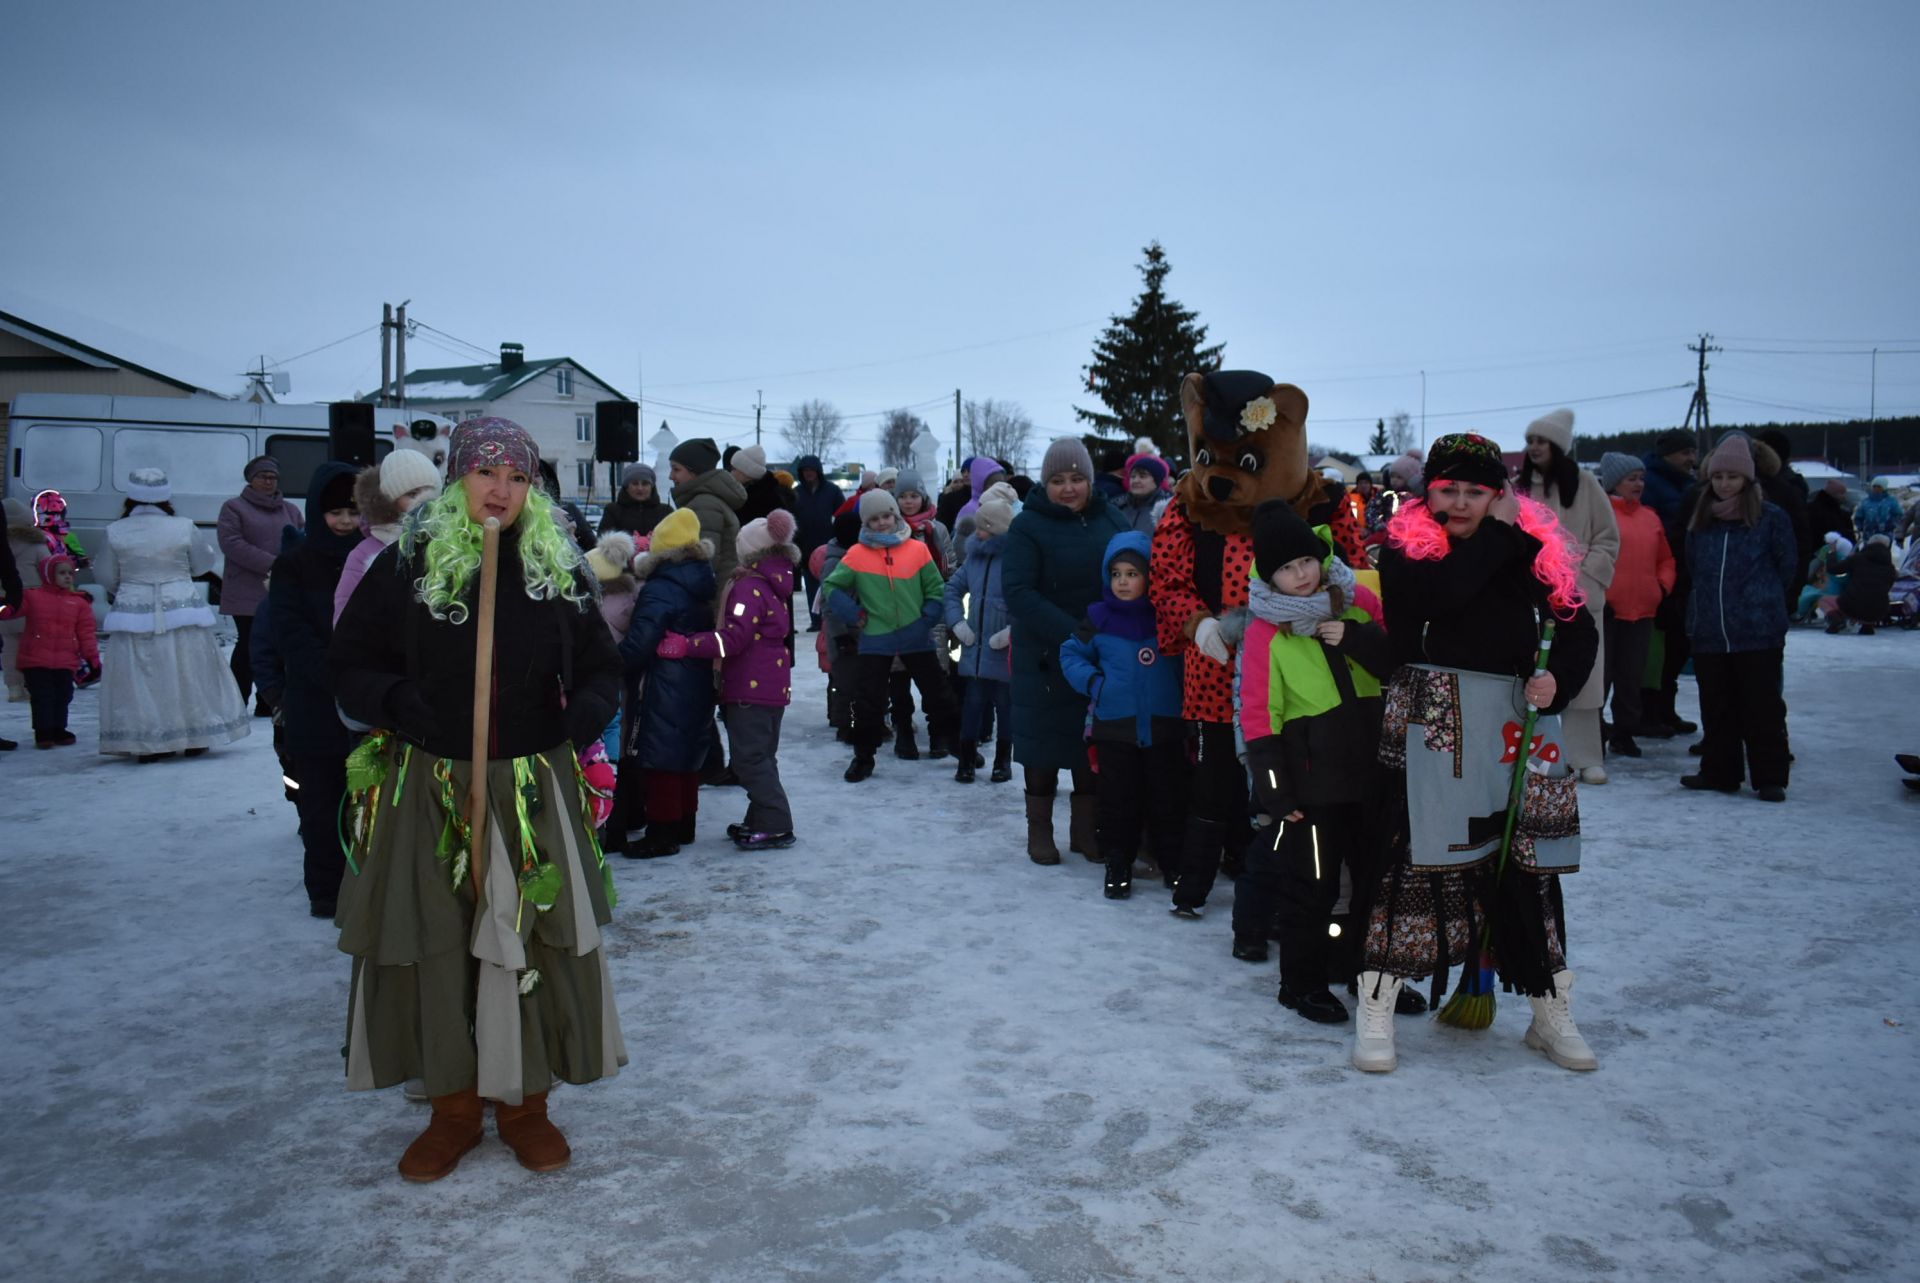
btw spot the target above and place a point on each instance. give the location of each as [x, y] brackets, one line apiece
[84, 446]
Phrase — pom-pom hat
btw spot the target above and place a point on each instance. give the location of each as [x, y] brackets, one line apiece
[765, 533]
[609, 559]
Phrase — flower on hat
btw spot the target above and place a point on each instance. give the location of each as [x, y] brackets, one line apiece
[1259, 414]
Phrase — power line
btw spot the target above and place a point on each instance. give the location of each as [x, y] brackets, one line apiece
[1510, 409]
[868, 365]
[1790, 351]
[323, 347]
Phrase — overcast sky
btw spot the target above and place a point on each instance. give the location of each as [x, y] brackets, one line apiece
[1537, 204]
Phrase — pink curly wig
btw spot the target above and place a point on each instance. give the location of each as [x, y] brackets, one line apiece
[1417, 534]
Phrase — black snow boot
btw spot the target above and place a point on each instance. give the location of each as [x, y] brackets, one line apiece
[1199, 864]
[963, 774]
[861, 766]
[1002, 762]
[903, 746]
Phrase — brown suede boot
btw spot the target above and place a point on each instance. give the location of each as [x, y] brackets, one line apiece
[1082, 826]
[535, 1141]
[1040, 847]
[455, 1129]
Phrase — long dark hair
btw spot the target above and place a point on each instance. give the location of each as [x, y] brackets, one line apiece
[1561, 473]
[165, 505]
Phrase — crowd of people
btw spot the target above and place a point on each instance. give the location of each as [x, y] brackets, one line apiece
[1371, 710]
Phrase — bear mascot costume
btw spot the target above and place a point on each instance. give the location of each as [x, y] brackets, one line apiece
[1247, 439]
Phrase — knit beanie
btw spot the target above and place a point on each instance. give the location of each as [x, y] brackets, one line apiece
[1556, 426]
[338, 492]
[1672, 441]
[1408, 470]
[762, 533]
[259, 464]
[150, 485]
[1152, 465]
[1280, 535]
[678, 529]
[638, 472]
[1733, 454]
[1067, 454]
[698, 455]
[610, 558]
[993, 516]
[910, 480]
[1002, 491]
[404, 471]
[750, 463]
[886, 477]
[874, 502]
[1616, 467]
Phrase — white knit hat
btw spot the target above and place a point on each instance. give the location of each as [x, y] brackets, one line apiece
[875, 502]
[886, 477]
[992, 517]
[751, 462]
[404, 471]
[1557, 427]
[149, 485]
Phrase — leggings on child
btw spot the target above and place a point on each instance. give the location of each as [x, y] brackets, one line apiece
[51, 691]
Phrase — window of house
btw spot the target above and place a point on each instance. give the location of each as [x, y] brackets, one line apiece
[583, 427]
[563, 380]
[583, 474]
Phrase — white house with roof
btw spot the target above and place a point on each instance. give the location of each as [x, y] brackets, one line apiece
[552, 398]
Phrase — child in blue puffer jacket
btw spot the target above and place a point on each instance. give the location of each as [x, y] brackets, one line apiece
[1134, 692]
[976, 617]
[1741, 554]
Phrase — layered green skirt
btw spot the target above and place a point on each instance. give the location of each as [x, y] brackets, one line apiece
[507, 997]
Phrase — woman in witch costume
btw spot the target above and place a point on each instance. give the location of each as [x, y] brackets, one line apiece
[488, 994]
[1471, 576]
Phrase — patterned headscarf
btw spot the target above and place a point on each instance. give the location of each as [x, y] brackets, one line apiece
[1466, 456]
[491, 443]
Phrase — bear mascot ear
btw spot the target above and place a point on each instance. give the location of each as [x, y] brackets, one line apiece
[1287, 474]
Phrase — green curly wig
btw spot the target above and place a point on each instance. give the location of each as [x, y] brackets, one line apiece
[549, 562]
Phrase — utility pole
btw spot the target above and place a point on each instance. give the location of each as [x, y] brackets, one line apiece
[386, 353]
[1423, 412]
[400, 354]
[759, 404]
[1873, 403]
[959, 446]
[1700, 425]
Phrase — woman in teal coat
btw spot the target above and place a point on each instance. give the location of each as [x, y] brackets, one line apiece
[1051, 573]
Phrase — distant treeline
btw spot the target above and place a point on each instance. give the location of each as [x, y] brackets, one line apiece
[1896, 442]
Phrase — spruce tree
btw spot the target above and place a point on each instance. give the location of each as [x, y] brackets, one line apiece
[1139, 360]
[1377, 443]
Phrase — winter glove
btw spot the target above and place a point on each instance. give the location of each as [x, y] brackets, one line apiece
[940, 640]
[1209, 642]
[1002, 639]
[964, 634]
[1272, 789]
[672, 646]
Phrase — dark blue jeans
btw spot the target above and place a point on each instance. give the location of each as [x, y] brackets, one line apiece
[49, 691]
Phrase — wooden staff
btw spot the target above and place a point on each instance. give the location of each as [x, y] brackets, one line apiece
[482, 699]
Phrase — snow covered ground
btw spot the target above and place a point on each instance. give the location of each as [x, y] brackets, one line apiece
[899, 1051]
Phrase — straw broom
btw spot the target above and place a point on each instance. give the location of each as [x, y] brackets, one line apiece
[1472, 1003]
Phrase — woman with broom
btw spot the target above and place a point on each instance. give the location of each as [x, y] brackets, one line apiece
[477, 965]
[1473, 578]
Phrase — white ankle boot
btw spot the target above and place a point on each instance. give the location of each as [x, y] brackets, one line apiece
[1553, 1030]
[1373, 1029]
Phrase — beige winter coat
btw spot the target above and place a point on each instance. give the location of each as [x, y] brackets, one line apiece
[1590, 523]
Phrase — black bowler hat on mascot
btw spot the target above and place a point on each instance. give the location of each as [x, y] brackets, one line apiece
[1281, 535]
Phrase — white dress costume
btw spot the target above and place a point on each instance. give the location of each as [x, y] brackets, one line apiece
[165, 687]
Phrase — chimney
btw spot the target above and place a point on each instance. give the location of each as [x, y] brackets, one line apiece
[512, 356]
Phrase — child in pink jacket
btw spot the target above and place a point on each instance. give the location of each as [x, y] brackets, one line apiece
[58, 644]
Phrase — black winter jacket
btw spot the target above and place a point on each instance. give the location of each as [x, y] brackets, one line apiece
[394, 665]
[1870, 577]
[813, 506]
[1480, 608]
[298, 615]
